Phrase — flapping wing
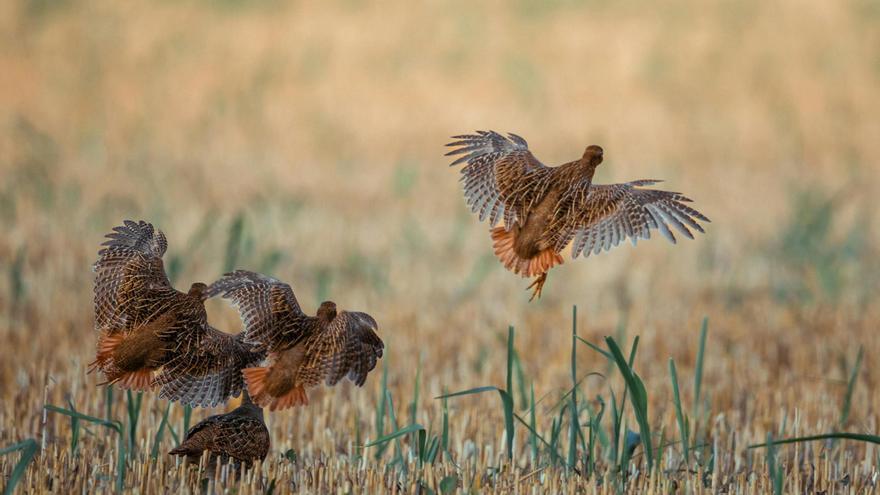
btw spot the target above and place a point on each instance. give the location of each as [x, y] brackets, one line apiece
[130, 283]
[268, 308]
[608, 214]
[209, 371]
[348, 346]
[502, 178]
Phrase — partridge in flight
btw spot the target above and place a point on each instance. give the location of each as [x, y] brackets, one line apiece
[304, 351]
[239, 435]
[545, 208]
[146, 325]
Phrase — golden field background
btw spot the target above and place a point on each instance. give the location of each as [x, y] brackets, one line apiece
[317, 129]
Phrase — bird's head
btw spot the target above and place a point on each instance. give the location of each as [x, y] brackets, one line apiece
[198, 290]
[593, 155]
[327, 311]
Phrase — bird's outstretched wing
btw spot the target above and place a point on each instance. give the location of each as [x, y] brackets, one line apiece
[269, 310]
[604, 215]
[209, 371]
[348, 346]
[130, 284]
[502, 177]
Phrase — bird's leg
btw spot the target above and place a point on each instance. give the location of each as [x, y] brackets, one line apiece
[538, 284]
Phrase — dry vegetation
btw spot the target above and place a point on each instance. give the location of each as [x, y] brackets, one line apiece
[304, 141]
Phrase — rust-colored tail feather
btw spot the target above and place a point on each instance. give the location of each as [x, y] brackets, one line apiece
[107, 343]
[138, 380]
[256, 385]
[503, 244]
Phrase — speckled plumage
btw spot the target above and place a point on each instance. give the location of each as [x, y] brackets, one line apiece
[146, 325]
[304, 351]
[545, 208]
[239, 435]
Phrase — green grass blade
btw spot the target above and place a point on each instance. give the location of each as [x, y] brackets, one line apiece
[108, 402]
[28, 450]
[860, 437]
[616, 419]
[115, 425]
[698, 373]
[773, 469]
[173, 435]
[398, 451]
[414, 404]
[444, 435]
[470, 391]
[507, 397]
[510, 358]
[187, 418]
[506, 403]
[597, 349]
[397, 434]
[682, 425]
[234, 242]
[574, 418]
[133, 405]
[520, 380]
[533, 428]
[380, 406]
[850, 387]
[555, 429]
[160, 432]
[74, 429]
[637, 394]
[120, 462]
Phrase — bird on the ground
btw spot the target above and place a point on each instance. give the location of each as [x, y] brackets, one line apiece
[146, 325]
[304, 351]
[543, 209]
[240, 436]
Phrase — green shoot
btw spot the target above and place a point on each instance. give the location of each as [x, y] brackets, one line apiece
[28, 450]
[638, 395]
[682, 420]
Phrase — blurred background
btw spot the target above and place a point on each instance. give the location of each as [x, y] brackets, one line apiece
[305, 140]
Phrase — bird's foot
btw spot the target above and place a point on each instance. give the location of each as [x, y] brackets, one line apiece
[538, 284]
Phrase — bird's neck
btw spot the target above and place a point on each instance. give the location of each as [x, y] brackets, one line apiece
[248, 408]
[578, 171]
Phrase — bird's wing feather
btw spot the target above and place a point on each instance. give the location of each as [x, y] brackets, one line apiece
[268, 307]
[242, 438]
[501, 178]
[209, 372]
[130, 281]
[605, 215]
[348, 346]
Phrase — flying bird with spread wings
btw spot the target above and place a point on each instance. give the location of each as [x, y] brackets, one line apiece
[545, 208]
[303, 351]
[146, 325]
[239, 435]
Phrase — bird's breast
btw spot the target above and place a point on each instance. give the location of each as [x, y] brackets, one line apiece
[532, 232]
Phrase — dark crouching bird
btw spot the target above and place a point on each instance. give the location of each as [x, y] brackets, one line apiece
[545, 208]
[304, 351]
[239, 436]
[146, 325]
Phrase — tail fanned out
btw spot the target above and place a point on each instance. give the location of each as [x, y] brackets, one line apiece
[139, 380]
[503, 245]
[107, 343]
[256, 385]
